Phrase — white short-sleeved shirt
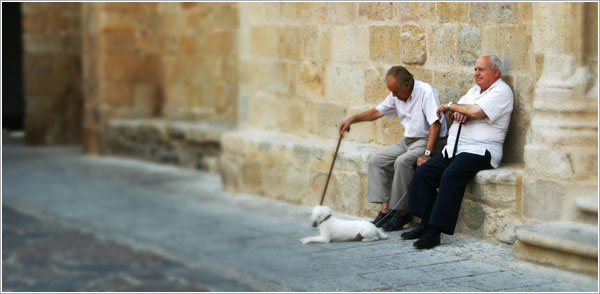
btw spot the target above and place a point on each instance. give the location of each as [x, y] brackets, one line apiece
[417, 113]
[487, 133]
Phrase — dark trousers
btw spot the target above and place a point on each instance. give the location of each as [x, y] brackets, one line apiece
[441, 209]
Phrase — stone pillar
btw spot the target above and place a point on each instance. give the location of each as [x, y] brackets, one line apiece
[561, 150]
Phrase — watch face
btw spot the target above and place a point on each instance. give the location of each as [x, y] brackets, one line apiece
[427, 152]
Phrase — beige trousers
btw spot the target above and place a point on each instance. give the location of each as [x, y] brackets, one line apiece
[391, 171]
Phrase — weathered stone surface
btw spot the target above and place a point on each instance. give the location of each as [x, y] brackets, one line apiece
[493, 12]
[311, 79]
[442, 45]
[452, 12]
[344, 83]
[376, 10]
[375, 85]
[316, 43]
[350, 44]
[512, 43]
[413, 49]
[384, 44]
[469, 45]
[288, 42]
[263, 41]
[345, 12]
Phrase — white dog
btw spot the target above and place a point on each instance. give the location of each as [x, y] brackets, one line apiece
[333, 229]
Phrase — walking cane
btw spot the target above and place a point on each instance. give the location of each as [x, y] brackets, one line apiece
[456, 142]
[331, 168]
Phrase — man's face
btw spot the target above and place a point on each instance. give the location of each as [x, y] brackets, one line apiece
[401, 92]
[485, 76]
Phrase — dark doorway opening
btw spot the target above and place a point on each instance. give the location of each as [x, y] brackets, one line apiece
[13, 105]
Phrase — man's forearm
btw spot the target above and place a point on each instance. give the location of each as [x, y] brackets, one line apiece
[470, 110]
[434, 131]
[369, 115]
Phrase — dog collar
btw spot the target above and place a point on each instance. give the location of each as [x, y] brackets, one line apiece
[326, 218]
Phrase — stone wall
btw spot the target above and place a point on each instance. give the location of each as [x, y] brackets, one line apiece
[52, 72]
[306, 66]
[162, 60]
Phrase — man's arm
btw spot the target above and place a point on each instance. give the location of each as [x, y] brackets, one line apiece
[462, 111]
[434, 131]
[368, 115]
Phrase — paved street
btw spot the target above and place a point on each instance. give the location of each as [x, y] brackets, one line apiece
[73, 222]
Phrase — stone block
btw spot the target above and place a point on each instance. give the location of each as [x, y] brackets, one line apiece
[311, 79]
[389, 131]
[297, 184]
[514, 144]
[384, 44]
[252, 177]
[344, 83]
[542, 198]
[469, 45]
[482, 221]
[316, 43]
[496, 187]
[311, 12]
[413, 50]
[291, 118]
[552, 163]
[442, 45]
[229, 170]
[275, 181]
[452, 85]
[46, 85]
[129, 67]
[375, 85]
[511, 43]
[504, 12]
[453, 12]
[42, 44]
[225, 15]
[317, 185]
[350, 43]
[263, 41]
[376, 10]
[288, 42]
[342, 12]
[423, 10]
[365, 132]
[263, 108]
[116, 93]
[349, 192]
[421, 74]
[328, 115]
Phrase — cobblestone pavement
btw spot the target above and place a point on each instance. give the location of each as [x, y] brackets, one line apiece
[197, 233]
[44, 256]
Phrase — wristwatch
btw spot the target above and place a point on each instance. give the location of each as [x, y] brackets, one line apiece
[427, 152]
[449, 103]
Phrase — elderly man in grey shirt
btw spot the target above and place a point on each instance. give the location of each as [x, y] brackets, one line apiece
[391, 170]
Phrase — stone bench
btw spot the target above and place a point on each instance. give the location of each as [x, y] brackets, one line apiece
[189, 144]
[294, 169]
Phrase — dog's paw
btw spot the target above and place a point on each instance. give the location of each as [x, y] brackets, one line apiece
[304, 240]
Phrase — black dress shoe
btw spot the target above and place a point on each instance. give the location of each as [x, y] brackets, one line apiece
[382, 218]
[427, 241]
[415, 233]
[397, 222]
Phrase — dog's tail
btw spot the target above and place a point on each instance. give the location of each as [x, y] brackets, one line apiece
[382, 235]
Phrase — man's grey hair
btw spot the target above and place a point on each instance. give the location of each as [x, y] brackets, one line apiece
[496, 62]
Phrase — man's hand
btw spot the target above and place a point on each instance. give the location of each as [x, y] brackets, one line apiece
[441, 109]
[422, 159]
[344, 126]
[460, 118]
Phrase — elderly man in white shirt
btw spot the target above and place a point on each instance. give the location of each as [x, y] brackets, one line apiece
[484, 113]
[391, 170]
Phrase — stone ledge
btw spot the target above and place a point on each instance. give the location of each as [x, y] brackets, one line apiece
[588, 204]
[569, 245]
[294, 169]
[190, 144]
[572, 237]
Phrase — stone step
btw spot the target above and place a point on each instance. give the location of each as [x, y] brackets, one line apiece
[588, 209]
[189, 144]
[569, 245]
